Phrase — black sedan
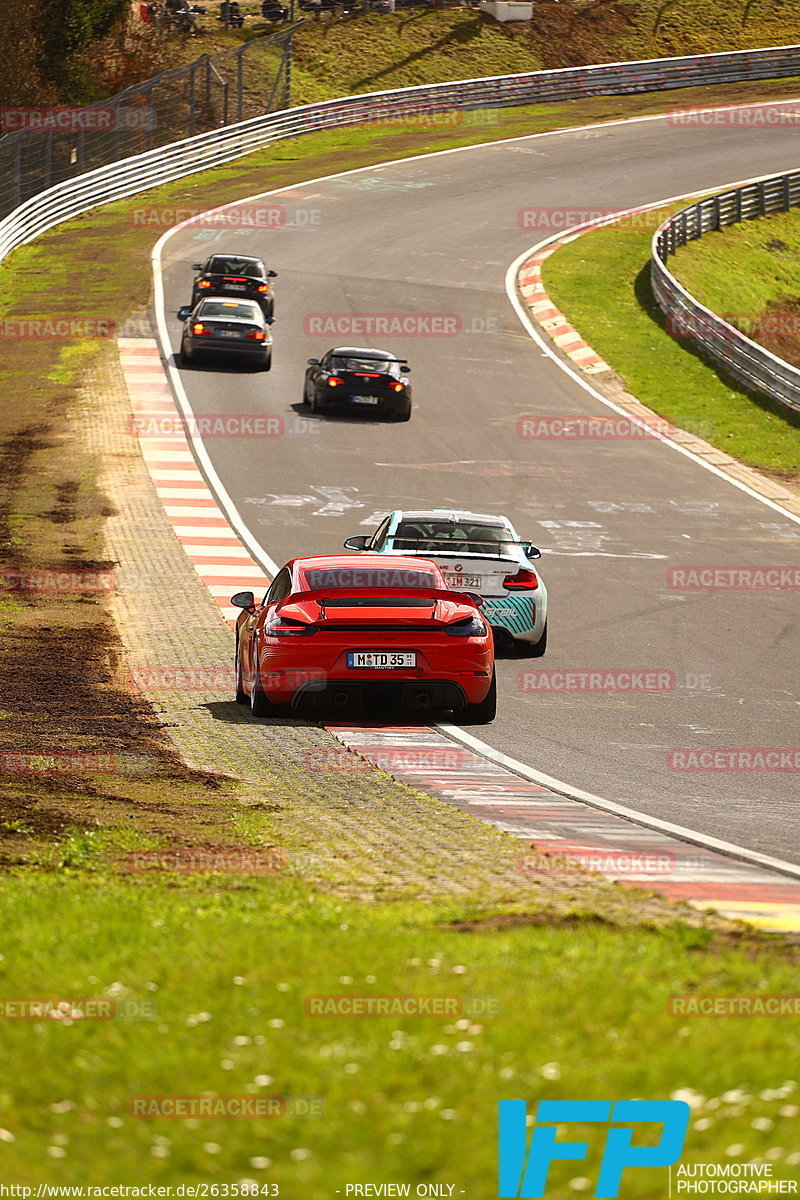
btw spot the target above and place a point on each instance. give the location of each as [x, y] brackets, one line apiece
[235, 275]
[359, 380]
[226, 327]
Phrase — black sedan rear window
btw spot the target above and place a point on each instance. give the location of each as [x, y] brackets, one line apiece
[235, 266]
[229, 308]
[383, 366]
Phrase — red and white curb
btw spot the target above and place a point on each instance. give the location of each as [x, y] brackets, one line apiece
[563, 835]
[552, 321]
[214, 550]
[559, 833]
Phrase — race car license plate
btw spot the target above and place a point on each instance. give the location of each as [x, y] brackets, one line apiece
[381, 660]
[366, 399]
[470, 581]
[235, 287]
[230, 333]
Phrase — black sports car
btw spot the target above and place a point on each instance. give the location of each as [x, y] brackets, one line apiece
[219, 326]
[232, 275]
[361, 380]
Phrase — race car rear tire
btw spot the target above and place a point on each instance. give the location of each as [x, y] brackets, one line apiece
[241, 695]
[533, 649]
[486, 710]
[260, 703]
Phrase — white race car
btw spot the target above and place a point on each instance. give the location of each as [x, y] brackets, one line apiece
[481, 554]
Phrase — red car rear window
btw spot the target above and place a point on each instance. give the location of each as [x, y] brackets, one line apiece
[337, 578]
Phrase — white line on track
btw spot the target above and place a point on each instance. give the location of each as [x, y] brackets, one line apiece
[260, 555]
[564, 789]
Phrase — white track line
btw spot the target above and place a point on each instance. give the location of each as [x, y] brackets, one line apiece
[564, 789]
[261, 556]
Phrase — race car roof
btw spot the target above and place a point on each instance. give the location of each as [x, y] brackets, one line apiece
[364, 352]
[454, 515]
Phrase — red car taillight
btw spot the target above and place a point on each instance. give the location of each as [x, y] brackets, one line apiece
[200, 330]
[256, 335]
[286, 627]
[524, 580]
[204, 283]
[366, 375]
[263, 287]
[334, 381]
[234, 279]
[396, 387]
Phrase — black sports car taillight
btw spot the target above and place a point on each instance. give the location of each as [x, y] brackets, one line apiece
[467, 627]
[287, 627]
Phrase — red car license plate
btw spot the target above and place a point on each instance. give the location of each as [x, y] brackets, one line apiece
[381, 660]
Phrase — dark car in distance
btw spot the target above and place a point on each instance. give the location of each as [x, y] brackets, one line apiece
[234, 328]
[359, 380]
[235, 275]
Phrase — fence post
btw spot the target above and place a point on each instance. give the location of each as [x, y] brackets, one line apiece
[240, 83]
[192, 122]
[48, 159]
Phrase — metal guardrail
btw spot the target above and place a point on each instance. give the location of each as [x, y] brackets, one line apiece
[726, 346]
[178, 159]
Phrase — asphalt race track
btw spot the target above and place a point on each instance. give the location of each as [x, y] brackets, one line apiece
[436, 236]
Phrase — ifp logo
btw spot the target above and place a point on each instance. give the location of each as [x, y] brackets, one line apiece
[523, 1172]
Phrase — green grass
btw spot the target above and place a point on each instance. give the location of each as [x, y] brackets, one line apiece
[601, 282]
[746, 268]
[583, 1004]
[369, 53]
[582, 1014]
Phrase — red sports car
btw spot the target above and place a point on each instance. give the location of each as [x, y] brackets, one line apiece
[347, 631]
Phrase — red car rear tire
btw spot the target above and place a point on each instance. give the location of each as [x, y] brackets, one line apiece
[486, 710]
[260, 703]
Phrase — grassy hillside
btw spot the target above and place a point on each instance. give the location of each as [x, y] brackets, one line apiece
[340, 56]
[748, 273]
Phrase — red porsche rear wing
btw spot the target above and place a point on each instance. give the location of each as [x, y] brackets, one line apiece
[358, 597]
[405, 605]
